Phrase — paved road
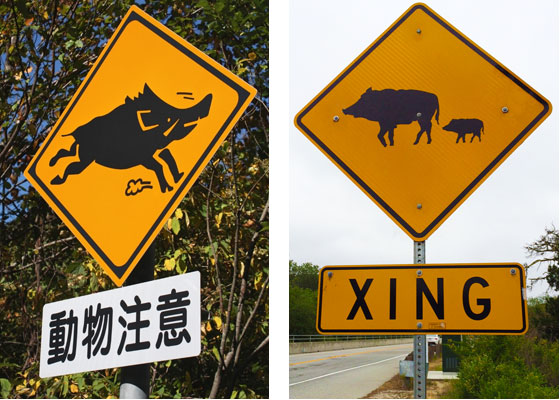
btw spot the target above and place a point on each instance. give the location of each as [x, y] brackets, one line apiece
[351, 373]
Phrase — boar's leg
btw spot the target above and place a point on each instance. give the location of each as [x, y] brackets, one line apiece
[391, 135]
[425, 126]
[382, 131]
[168, 158]
[64, 153]
[72, 169]
[153, 165]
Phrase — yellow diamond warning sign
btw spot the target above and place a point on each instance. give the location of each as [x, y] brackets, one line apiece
[141, 127]
[421, 118]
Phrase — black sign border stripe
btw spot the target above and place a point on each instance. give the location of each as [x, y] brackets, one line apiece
[243, 94]
[420, 331]
[478, 179]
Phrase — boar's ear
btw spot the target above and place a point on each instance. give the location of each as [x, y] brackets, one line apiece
[147, 91]
[368, 90]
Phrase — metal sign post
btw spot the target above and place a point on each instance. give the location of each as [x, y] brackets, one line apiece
[135, 379]
[420, 363]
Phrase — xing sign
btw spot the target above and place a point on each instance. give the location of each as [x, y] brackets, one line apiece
[421, 118]
[423, 298]
[143, 124]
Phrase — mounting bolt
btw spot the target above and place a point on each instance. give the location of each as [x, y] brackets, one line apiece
[418, 115]
[419, 206]
[419, 272]
[335, 118]
[329, 274]
[505, 109]
[419, 325]
[512, 271]
[418, 30]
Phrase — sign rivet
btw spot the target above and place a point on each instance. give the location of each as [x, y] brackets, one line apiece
[418, 115]
[418, 30]
[335, 118]
[419, 272]
[512, 271]
[329, 274]
[419, 325]
[505, 109]
[419, 206]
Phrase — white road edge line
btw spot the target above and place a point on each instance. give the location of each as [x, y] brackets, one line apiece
[348, 369]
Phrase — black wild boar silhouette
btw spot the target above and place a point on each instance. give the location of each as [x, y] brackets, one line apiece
[463, 126]
[131, 135]
[392, 107]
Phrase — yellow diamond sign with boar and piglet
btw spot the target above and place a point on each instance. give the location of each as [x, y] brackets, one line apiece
[421, 118]
[132, 141]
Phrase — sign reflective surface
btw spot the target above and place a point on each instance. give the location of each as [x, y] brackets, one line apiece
[421, 118]
[422, 298]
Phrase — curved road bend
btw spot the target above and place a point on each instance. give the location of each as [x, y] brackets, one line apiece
[351, 373]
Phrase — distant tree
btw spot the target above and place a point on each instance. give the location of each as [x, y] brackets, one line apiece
[304, 280]
[545, 249]
[543, 317]
[303, 306]
[305, 275]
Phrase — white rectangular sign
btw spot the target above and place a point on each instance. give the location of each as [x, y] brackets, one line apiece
[152, 321]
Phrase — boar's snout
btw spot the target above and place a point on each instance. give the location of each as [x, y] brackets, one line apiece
[196, 112]
[204, 106]
[448, 127]
[348, 110]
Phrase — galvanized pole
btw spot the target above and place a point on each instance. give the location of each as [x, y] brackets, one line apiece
[420, 361]
[135, 379]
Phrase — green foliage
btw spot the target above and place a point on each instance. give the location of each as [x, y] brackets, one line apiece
[304, 280]
[543, 317]
[506, 367]
[220, 228]
[303, 310]
[305, 275]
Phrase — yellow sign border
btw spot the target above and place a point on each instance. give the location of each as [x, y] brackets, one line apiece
[369, 191]
[245, 94]
[520, 271]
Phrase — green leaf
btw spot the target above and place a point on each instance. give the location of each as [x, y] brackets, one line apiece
[175, 226]
[216, 353]
[65, 385]
[79, 43]
[5, 387]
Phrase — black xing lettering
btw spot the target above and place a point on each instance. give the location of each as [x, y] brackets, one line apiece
[485, 303]
[360, 299]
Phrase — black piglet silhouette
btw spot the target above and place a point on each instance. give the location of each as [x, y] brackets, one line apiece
[462, 126]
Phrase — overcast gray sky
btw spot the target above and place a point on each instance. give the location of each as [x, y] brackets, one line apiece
[332, 222]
